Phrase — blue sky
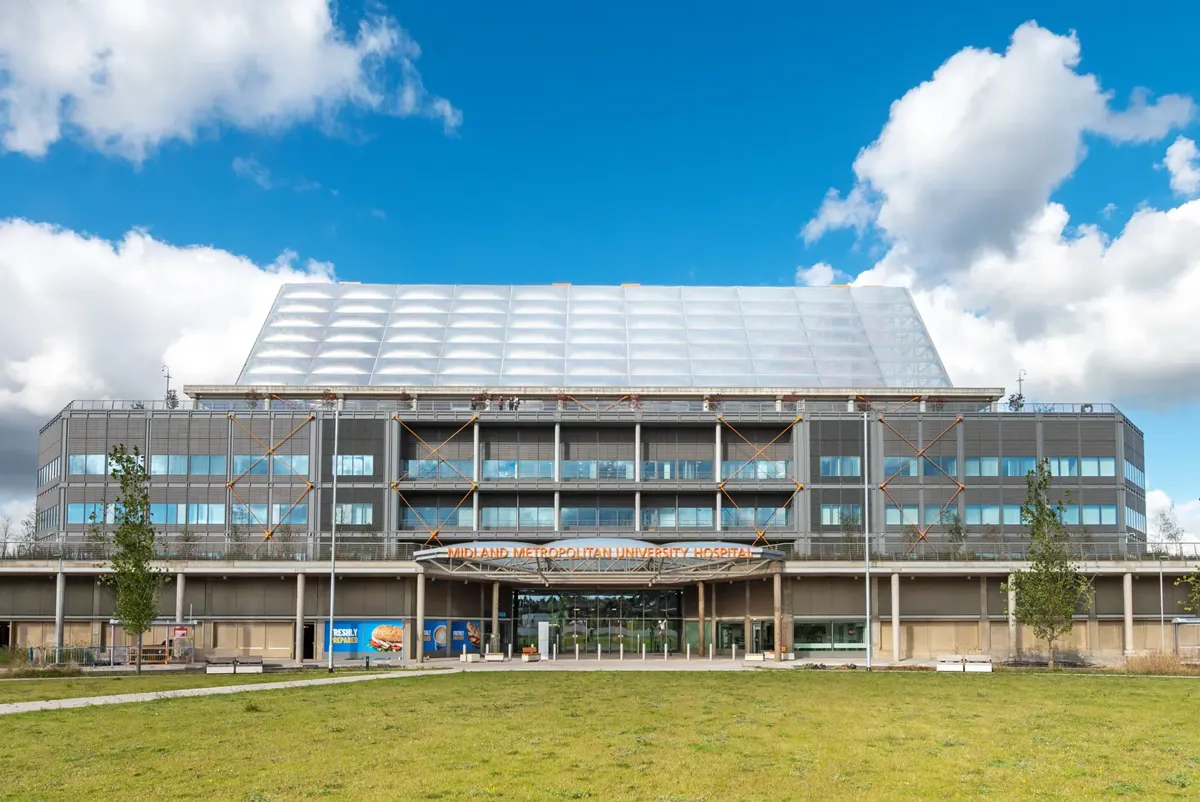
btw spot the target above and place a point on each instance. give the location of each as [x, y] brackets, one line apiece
[643, 142]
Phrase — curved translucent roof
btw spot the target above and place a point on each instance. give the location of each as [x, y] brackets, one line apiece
[496, 336]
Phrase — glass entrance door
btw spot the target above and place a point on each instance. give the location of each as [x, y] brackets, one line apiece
[763, 636]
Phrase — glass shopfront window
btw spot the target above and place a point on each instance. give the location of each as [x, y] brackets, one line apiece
[837, 635]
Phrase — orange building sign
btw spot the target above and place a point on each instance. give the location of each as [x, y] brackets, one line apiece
[723, 552]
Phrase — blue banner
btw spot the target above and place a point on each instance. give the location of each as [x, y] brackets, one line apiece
[367, 637]
[436, 636]
[465, 632]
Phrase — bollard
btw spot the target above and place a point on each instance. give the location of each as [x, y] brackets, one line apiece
[710, 651]
[643, 651]
[622, 650]
[734, 652]
[576, 650]
[554, 651]
[597, 651]
[689, 652]
[510, 651]
[464, 652]
[664, 651]
[368, 662]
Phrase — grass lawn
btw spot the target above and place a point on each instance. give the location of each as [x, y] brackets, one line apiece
[603, 736]
[34, 690]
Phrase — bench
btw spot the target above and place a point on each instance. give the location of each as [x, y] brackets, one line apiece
[467, 657]
[978, 662]
[219, 665]
[950, 662]
[494, 657]
[756, 657]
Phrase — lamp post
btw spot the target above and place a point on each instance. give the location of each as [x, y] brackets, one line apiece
[867, 525]
[333, 533]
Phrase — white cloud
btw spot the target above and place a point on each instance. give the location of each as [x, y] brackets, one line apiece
[126, 77]
[963, 173]
[1183, 163]
[82, 317]
[969, 158]
[854, 211]
[819, 275]
[1108, 210]
[250, 167]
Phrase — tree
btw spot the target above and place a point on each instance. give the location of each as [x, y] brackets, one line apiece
[134, 579]
[852, 529]
[912, 536]
[1192, 582]
[8, 531]
[1166, 526]
[96, 540]
[955, 529]
[1053, 589]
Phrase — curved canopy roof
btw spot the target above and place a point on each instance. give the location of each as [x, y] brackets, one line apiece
[498, 336]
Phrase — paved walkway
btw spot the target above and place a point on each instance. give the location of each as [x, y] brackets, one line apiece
[128, 698]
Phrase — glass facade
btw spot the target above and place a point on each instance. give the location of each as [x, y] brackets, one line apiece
[602, 619]
[592, 336]
[829, 636]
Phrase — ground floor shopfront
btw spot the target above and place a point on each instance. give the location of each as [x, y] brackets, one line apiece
[284, 616]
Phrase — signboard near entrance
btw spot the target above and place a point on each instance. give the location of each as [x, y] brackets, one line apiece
[179, 632]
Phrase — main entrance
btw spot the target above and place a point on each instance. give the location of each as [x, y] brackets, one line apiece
[603, 620]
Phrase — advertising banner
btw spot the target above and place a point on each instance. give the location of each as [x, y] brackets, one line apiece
[436, 636]
[366, 637]
[465, 633]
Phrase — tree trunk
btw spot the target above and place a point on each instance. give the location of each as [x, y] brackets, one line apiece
[139, 654]
[1050, 648]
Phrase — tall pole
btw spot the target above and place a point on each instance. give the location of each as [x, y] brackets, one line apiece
[333, 532]
[867, 528]
[1162, 611]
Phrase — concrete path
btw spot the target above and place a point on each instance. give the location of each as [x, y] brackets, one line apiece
[128, 698]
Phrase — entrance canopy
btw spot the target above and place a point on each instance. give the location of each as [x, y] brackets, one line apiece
[595, 561]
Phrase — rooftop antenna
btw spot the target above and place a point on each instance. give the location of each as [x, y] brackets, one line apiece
[166, 371]
[171, 398]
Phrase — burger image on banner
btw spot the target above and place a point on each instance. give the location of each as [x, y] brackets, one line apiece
[387, 638]
[473, 633]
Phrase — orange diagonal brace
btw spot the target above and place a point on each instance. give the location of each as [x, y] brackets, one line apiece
[924, 531]
[433, 531]
[761, 534]
[759, 451]
[269, 452]
[270, 535]
[920, 451]
[433, 450]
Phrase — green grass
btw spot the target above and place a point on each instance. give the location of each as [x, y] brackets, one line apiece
[624, 735]
[33, 690]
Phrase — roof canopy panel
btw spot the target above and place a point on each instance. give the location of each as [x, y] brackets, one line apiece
[628, 336]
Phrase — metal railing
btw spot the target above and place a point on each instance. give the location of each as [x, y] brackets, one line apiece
[390, 548]
[43, 656]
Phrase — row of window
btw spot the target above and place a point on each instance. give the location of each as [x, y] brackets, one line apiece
[975, 466]
[49, 472]
[1135, 520]
[184, 465]
[47, 519]
[1135, 474]
[652, 517]
[215, 464]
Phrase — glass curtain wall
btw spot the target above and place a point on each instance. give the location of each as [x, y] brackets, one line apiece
[602, 619]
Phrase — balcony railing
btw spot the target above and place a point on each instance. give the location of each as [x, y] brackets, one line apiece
[1184, 556]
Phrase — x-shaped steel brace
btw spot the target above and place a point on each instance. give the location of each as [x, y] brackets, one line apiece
[268, 530]
[433, 450]
[922, 531]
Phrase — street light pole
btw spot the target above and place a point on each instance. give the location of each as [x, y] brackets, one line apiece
[333, 532]
[866, 471]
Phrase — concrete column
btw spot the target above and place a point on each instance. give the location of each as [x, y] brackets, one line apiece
[475, 454]
[419, 635]
[637, 452]
[495, 617]
[557, 511]
[985, 623]
[1128, 613]
[1093, 627]
[747, 634]
[637, 510]
[717, 454]
[896, 617]
[299, 645]
[558, 452]
[1014, 648]
[475, 511]
[717, 512]
[700, 615]
[778, 600]
[180, 579]
[60, 592]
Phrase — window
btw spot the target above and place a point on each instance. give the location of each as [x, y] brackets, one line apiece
[47, 519]
[935, 515]
[427, 517]
[48, 472]
[1099, 514]
[1070, 514]
[249, 465]
[1132, 472]
[352, 465]
[841, 466]
[1098, 466]
[363, 514]
[899, 466]
[983, 514]
[837, 514]
[191, 514]
[672, 517]
[291, 465]
[901, 516]
[247, 514]
[1064, 466]
[1019, 466]
[1012, 514]
[757, 517]
[1135, 520]
[85, 513]
[87, 464]
[182, 465]
[941, 466]
[536, 517]
[287, 514]
[741, 470]
[981, 466]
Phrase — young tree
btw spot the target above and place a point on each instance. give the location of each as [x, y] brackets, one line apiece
[134, 579]
[852, 530]
[1166, 526]
[8, 532]
[1192, 582]
[1050, 592]
[955, 529]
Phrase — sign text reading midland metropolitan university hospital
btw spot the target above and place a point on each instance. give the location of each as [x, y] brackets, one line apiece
[600, 552]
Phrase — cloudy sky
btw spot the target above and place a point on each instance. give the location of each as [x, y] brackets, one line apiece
[166, 166]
